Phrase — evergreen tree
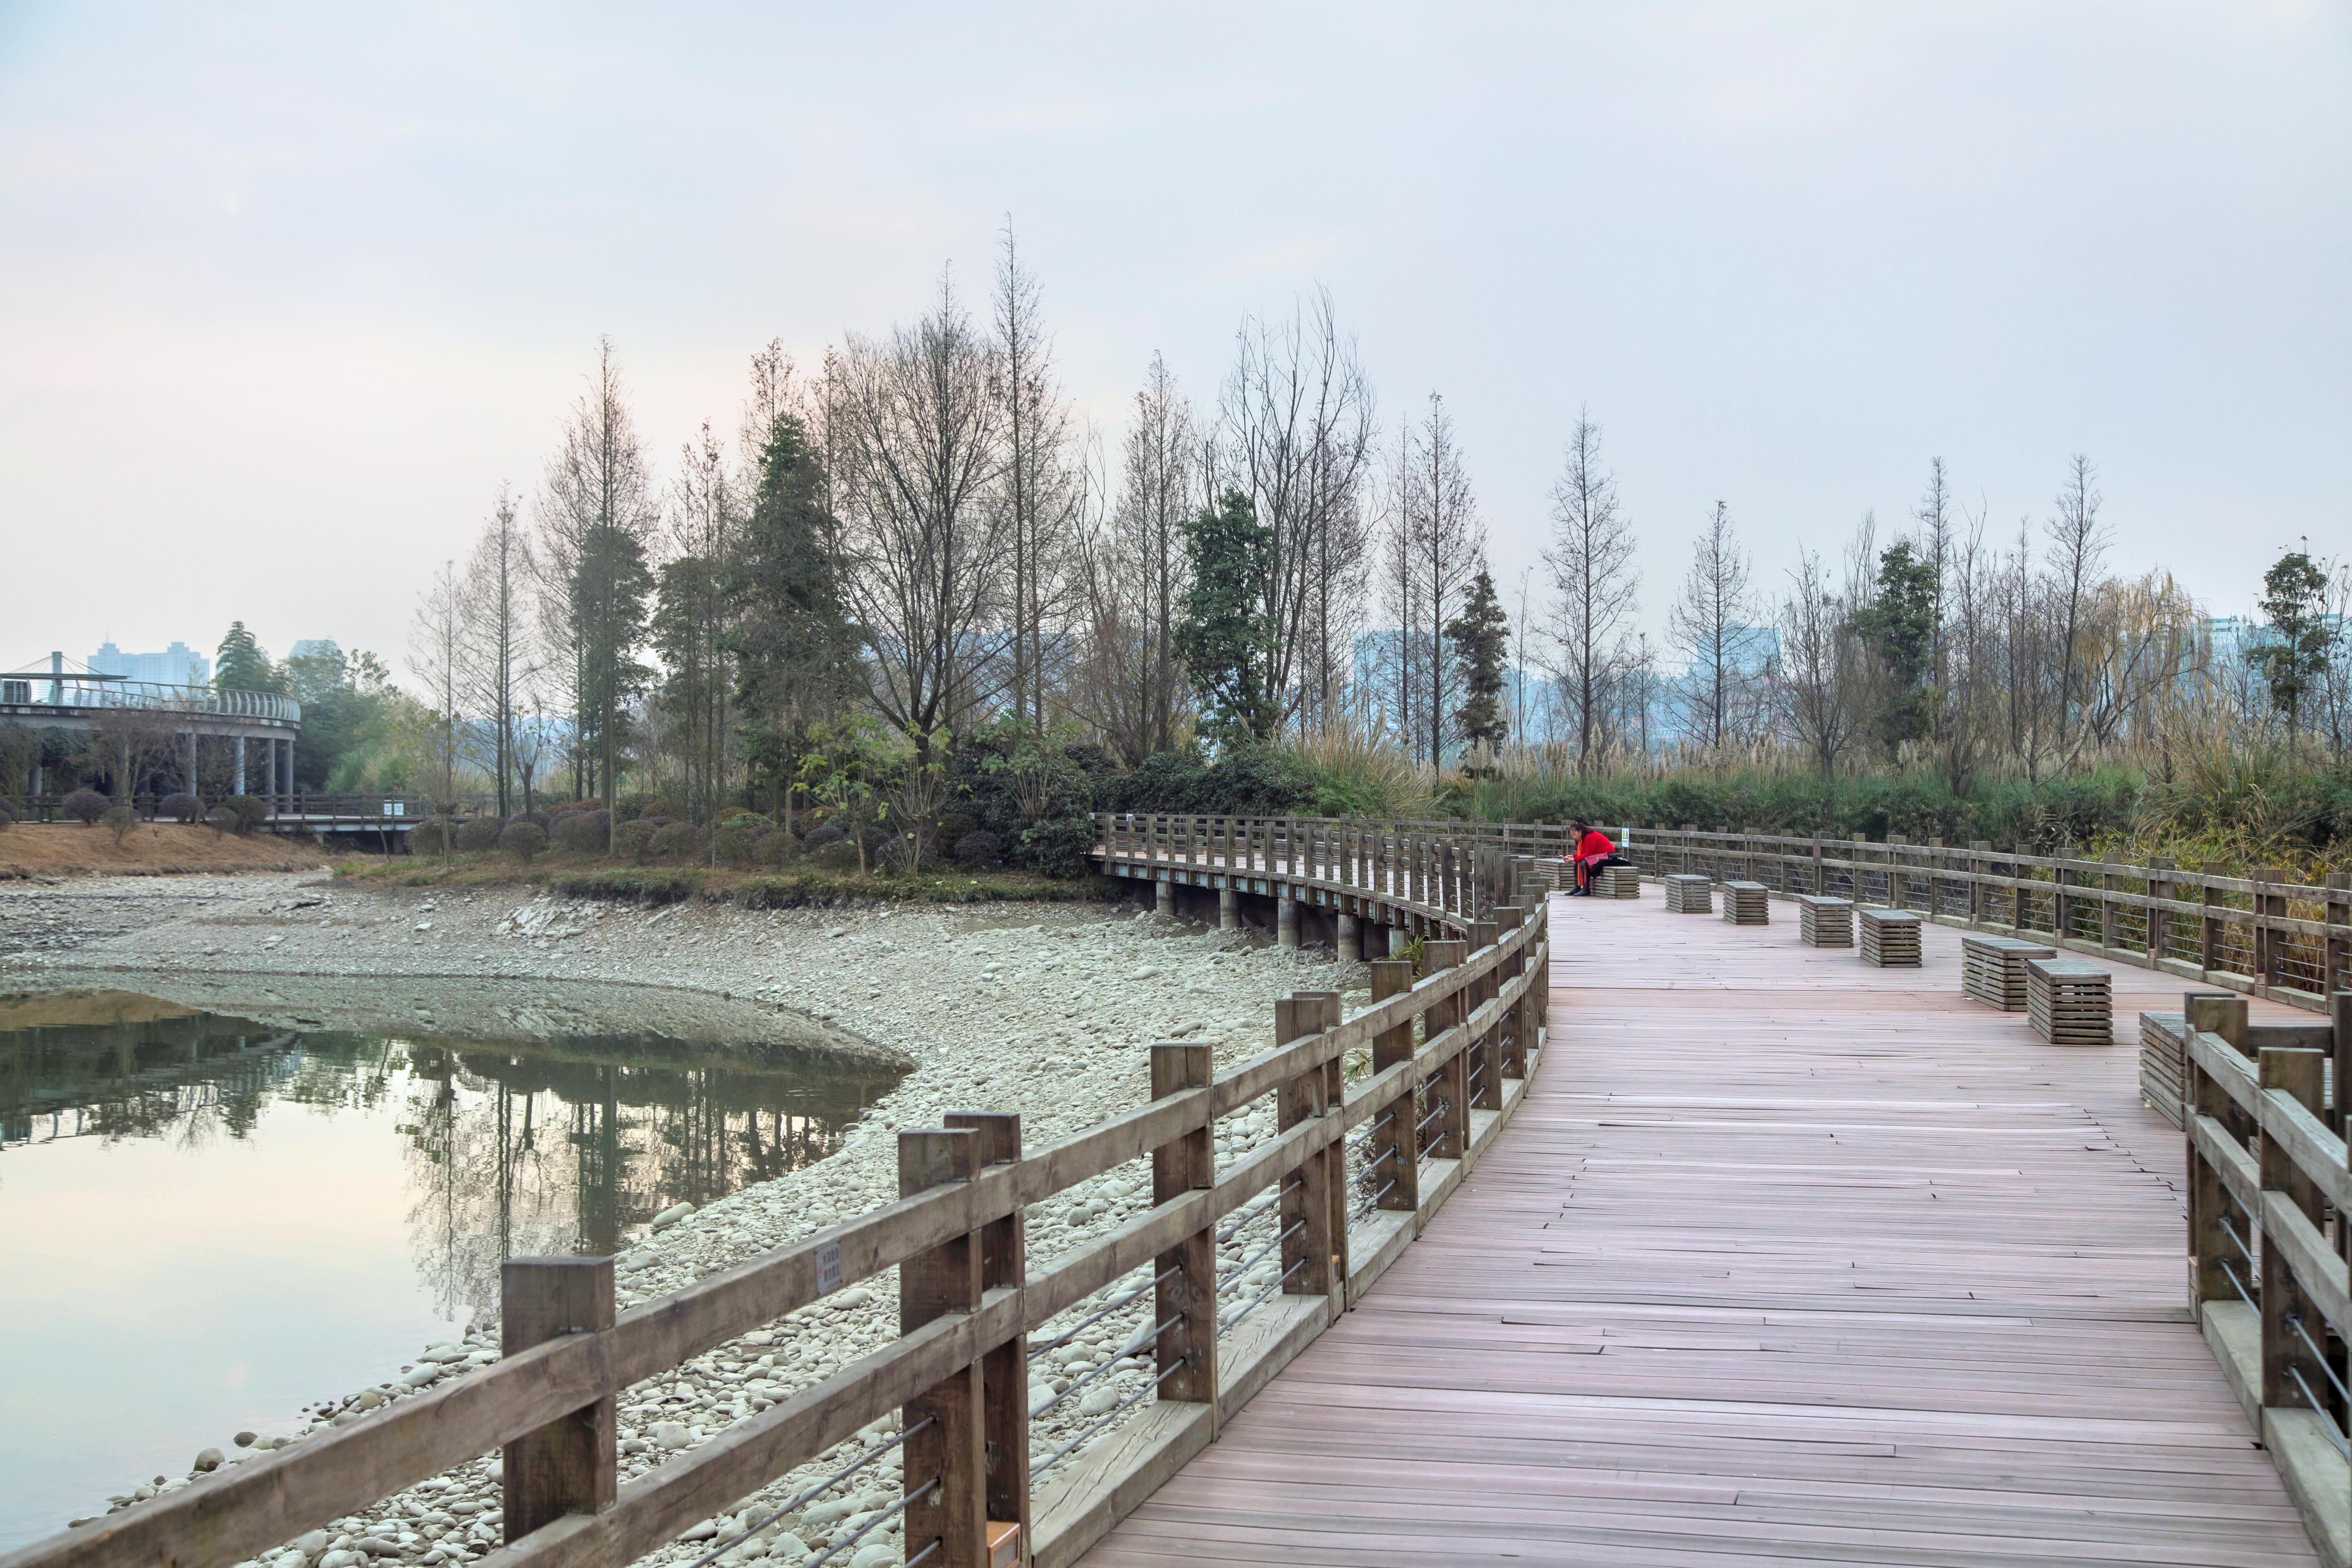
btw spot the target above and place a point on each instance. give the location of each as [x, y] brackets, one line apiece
[1480, 638]
[242, 665]
[2296, 646]
[1224, 635]
[610, 586]
[1899, 628]
[795, 648]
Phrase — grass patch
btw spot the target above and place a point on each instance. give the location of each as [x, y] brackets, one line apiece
[799, 888]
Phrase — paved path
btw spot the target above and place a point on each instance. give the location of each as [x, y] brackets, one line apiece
[1787, 1259]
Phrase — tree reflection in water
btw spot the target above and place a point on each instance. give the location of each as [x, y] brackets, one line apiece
[570, 1144]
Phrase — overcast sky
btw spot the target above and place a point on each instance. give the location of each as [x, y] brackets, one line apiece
[285, 294]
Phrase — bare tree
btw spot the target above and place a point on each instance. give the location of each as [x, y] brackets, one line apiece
[1447, 547]
[918, 433]
[1593, 580]
[2079, 543]
[437, 656]
[1297, 438]
[696, 613]
[1043, 490]
[1817, 666]
[1132, 565]
[1712, 622]
[495, 658]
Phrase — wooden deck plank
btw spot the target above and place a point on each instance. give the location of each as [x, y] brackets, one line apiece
[1786, 1260]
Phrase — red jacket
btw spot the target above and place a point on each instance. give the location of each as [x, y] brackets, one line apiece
[1594, 845]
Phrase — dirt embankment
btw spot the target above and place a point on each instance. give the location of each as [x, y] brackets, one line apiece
[37, 849]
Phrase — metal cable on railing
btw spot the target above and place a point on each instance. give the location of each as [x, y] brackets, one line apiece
[1092, 1319]
[871, 1525]
[1107, 1416]
[1442, 1106]
[1370, 1204]
[822, 1487]
[2326, 1416]
[1133, 1345]
[2294, 1321]
[1256, 1209]
[1242, 1267]
[1258, 1300]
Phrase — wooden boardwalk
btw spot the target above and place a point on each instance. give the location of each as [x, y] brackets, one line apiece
[1786, 1260]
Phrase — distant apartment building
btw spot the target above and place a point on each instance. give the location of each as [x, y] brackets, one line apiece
[178, 664]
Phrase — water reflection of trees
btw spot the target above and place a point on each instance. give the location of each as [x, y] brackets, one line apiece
[566, 1146]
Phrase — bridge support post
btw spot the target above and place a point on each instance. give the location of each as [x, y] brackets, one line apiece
[239, 786]
[1399, 939]
[1004, 1370]
[1350, 939]
[945, 1463]
[572, 1465]
[1229, 910]
[1394, 1151]
[1164, 899]
[1306, 1209]
[1186, 1297]
[190, 785]
[1286, 920]
[1448, 1137]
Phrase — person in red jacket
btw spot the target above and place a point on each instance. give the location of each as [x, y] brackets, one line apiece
[1593, 850]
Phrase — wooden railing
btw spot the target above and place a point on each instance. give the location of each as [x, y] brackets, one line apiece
[2239, 932]
[345, 809]
[2269, 1193]
[1438, 1060]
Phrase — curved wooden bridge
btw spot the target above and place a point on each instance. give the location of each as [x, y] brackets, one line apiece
[1780, 1258]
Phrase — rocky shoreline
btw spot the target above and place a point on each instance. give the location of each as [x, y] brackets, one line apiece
[1043, 1009]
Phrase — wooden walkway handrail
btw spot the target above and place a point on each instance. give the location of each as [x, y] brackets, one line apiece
[2270, 1287]
[967, 1299]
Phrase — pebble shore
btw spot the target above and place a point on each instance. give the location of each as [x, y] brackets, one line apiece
[1043, 1009]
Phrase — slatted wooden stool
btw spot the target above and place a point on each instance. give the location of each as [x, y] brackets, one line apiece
[1992, 969]
[1617, 883]
[1688, 893]
[1823, 922]
[2163, 1061]
[1890, 939]
[2071, 1000]
[1748, 903]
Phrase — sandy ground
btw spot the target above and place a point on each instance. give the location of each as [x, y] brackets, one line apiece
[41, 850]
[1044, 1009]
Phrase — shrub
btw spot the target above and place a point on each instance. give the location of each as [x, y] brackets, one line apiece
[7, 816]
[480, 833]
[86, 806]
[777, 849]
[980, 847]
[122, 819]
[584, 831]
[638, 807]
[953, 825]
[180, 807]
[251, 810]
[522, 840]
[543, 821]
[678, 841]
[834, 854]
[429, 837]
[823, 835]
[633, 841]
[220, 820]
[734, 843]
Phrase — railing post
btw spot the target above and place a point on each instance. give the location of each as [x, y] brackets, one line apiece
[2209, 931]
[2160, 922]
[1511, 1034]
[945, 1466]
[2268, 901]
[2209, 1249]
[1489, 1045]
[572, 1465]
[2284, 1353]
[1306, 1207]
[1449, 1135]
[2110, 916]
[1186, 1297]
[1004, 1370]
[2335, 952]
[1325, 1010]
[1396, 1147]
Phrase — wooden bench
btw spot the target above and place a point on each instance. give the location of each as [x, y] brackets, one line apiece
[1890, 939]
[2071, 1000]
[2164, 1062]
[1748, 903]
[1992, 970]
[1617, 883]
[1823, 922]
[1688, 893]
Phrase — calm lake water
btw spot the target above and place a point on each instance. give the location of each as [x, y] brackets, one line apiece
[206, 1224]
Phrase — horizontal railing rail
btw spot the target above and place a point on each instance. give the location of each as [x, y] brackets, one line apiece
[302, 808]
[29, 696]
[1442, 1055]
